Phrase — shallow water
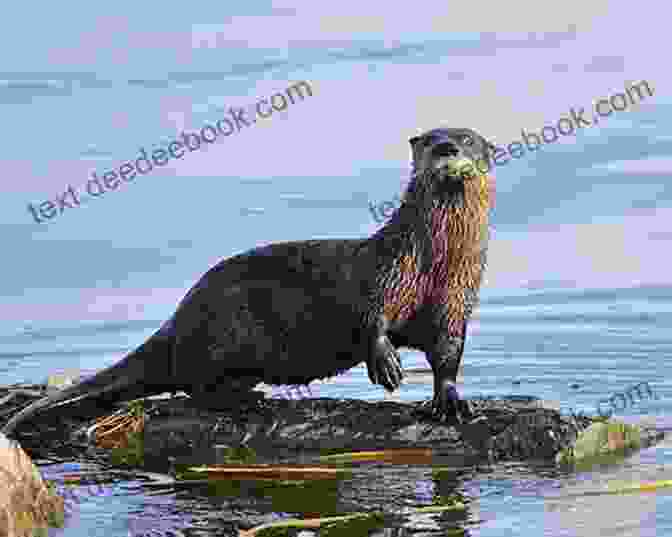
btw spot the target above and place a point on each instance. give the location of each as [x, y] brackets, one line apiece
[577, 304]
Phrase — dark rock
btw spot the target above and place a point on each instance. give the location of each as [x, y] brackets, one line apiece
[513, 428]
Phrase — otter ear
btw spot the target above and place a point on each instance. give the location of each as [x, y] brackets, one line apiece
[414, 140]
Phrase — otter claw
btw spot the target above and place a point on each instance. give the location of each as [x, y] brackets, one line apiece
[385, 366]
[447, 404]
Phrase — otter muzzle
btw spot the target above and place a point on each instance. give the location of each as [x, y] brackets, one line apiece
[459, 168]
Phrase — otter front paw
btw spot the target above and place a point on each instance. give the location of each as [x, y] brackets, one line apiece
[448, 405]
[384, 366]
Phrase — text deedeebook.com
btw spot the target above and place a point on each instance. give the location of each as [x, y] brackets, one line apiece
[192, 141]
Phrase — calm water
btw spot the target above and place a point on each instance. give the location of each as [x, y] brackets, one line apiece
[578, 299]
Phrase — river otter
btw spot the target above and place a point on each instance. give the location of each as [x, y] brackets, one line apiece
[289, 313]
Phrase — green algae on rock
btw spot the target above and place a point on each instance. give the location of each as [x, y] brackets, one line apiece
[132, 453]
[601, 442]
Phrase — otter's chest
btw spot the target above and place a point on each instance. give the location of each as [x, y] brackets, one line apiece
[458, 263]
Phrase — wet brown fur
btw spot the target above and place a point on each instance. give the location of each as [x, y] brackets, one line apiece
[457, 259]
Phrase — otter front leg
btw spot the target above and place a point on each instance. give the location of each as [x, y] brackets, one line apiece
[444, 357]
[383, 363]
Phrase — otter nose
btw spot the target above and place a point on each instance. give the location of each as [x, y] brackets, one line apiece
[445, 149]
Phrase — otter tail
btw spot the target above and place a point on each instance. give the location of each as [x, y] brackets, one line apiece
[143, 372]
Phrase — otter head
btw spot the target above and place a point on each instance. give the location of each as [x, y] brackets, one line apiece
[447, 157]
[449, 191]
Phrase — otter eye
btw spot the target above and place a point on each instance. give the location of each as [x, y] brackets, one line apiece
[467, 140]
